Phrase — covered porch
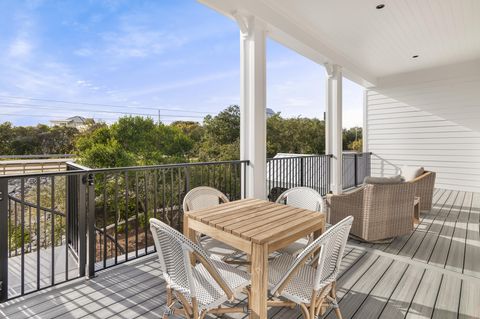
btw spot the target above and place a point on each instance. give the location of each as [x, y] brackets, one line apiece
[421, 108]
[431, 273]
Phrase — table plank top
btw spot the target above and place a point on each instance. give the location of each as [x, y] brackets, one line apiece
[257, 220]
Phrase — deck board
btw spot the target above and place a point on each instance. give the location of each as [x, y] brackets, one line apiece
[432, 273]
[456, 253]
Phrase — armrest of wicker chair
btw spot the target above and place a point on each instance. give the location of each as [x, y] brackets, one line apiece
[425, 185]
[348, 204]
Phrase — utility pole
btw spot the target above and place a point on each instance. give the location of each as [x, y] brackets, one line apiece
[159, 117]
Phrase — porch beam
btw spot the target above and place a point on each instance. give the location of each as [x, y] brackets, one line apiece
[253, 134]
[334, 125]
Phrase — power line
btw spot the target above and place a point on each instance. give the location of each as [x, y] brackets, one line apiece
[98, 104]
[37, 106]
[46, 116]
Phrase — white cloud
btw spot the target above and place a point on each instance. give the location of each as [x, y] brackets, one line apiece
[139, 42]
[84, 52]
[20, 48]
[185, 83]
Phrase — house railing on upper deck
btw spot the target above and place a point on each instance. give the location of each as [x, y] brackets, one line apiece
[58, 226]
[355, 167]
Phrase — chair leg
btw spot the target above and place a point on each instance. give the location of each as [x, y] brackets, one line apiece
[305, 313]
[333, 295]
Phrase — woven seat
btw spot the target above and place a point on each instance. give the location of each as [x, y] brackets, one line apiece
[200, 288]
[296, 278]
[306, 198]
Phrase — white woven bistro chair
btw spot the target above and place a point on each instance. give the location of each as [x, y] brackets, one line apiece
[303, 283]
[199, 288]
[206, 197]
[306, 198]
[203, 197]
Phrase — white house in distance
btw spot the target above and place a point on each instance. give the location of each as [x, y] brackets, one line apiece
[78, 122]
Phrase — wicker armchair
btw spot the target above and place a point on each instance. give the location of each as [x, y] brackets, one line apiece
[425, 185]
[381, 211]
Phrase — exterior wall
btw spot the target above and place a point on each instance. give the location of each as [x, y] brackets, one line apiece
[430, 119]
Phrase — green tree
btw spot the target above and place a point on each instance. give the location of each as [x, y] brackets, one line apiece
[356, 145]
[133, 141]
[349, 136]
[295, 135]
[221, 140]
[6, 137]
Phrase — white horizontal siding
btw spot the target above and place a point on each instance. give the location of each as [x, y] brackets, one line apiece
[433, 123]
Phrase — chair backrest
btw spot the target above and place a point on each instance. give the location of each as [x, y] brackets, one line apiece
[389, 200]
[203, 197]
[303, 197]
[174, 250]
[331, 246]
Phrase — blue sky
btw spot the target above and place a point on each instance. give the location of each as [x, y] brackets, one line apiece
[137, 56]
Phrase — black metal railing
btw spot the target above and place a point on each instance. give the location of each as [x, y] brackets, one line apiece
[356, 166]
[58, 226]
[286, 172]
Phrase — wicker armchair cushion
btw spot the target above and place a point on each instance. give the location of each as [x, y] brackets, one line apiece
[411, 172]
[383, 180]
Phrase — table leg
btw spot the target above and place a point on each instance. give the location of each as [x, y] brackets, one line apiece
[259, 292]
[319, 232]
[190, 234]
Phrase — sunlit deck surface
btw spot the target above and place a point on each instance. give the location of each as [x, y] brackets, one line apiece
[432, 273]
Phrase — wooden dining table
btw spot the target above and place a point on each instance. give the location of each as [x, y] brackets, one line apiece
[258, 228]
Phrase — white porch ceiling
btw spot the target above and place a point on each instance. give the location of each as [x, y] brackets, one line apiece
[367, 42]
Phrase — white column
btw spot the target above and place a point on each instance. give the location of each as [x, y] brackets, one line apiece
[253, 133]
[365, 122]
[333, 128]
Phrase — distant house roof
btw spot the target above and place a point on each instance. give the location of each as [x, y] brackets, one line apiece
[270, 112]
[76, 119]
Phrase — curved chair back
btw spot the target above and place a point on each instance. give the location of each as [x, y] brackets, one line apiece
[174, 251]
[203, 197]
[330, 247]
[302, 197]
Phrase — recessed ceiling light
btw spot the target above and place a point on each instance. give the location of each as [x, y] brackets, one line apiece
[380, 6]
[415, 56]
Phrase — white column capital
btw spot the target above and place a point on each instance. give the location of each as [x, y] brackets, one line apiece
[247, 24]
[332, 69]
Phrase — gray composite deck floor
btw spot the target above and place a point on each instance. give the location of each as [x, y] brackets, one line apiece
[432, 273]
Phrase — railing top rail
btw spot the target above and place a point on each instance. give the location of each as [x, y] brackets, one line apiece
[300, 156]
[77, 166]
[42, 156]
[119, 169]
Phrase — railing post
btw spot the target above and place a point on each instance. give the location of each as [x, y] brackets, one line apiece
[187, 179]
[355, 164]
[91, 234]
[82, 218]
[3, 239]
[302, 171]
